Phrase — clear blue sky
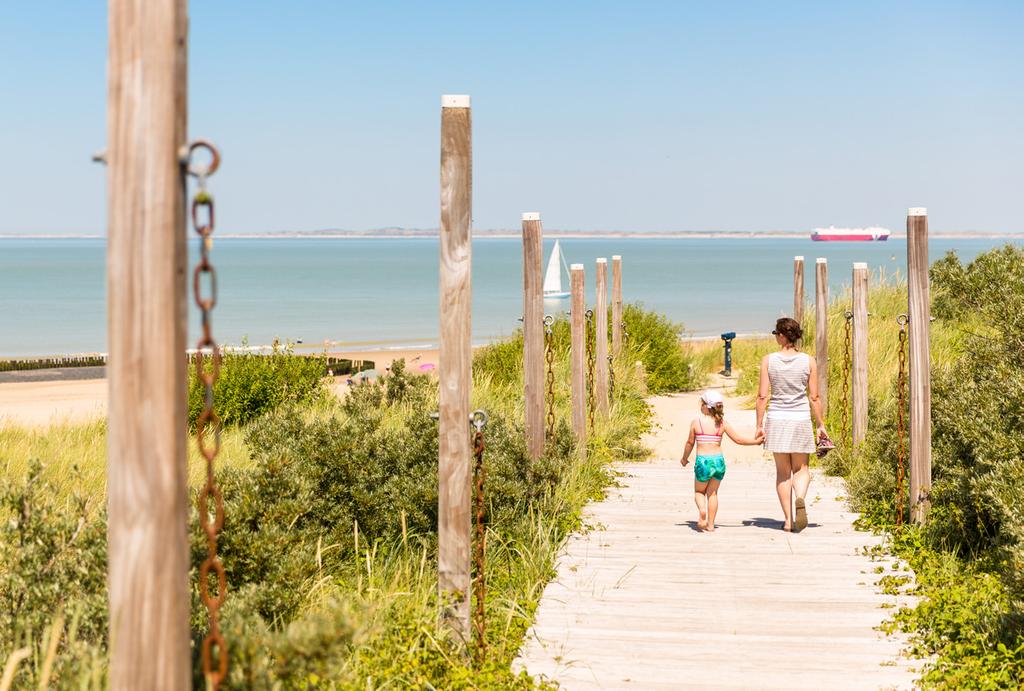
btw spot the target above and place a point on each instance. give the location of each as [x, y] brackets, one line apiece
[602, 115]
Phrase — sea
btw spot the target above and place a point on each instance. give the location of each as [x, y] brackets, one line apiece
[382, 293]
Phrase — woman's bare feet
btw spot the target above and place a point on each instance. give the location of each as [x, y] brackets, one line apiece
[702, 524]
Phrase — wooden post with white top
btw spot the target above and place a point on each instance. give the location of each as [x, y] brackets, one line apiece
[578, 356]
[919, 310]
[147, 483]
[821, 329]
[601, 338]
[616, 305]
[798, 289]
[860, 353]
[454, 473]
[533, 334]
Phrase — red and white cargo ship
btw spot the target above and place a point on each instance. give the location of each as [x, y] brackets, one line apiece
[833, 234]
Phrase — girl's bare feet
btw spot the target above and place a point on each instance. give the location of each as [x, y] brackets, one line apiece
[787, 527]
[702, 523]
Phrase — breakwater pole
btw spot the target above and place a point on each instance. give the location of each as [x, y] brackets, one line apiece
[601, 338]
[860, 353]
[919, 310]
[533, 334]
[616, 305]
[798, 289]
[578, 356]
[821, 329]
[454, 473]
[147, 485]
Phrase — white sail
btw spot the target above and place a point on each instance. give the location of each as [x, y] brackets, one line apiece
[553, 275]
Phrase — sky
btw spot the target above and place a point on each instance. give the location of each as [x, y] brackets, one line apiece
[632, 116]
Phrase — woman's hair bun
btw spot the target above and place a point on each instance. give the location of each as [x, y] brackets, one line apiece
[790, 328]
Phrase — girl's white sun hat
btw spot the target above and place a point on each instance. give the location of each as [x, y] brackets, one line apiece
[712, 398]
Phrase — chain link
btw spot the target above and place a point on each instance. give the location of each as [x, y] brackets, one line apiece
[625, 334]
[901, 423]
[611, 377]
[479, 420]
[591, 337]
[203, 224]
[549, 359]
[847, 364]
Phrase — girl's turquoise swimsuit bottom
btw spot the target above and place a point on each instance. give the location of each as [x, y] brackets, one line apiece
[708, 467]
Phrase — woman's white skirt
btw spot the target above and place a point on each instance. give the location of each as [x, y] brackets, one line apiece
[782, 435]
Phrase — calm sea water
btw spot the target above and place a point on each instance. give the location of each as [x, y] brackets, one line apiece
[383, 292]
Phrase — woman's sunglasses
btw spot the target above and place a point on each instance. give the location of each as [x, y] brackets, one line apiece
[774, 332]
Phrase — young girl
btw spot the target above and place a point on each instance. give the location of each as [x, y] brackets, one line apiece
[706, 432]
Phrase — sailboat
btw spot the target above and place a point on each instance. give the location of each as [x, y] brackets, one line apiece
[553, 275]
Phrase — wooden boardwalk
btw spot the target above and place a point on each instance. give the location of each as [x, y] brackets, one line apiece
[644, 601]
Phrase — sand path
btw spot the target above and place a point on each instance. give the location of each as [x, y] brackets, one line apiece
[644, 601]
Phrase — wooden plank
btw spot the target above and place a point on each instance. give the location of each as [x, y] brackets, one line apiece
[644, 601]
[455, 363]
[798, 289]
[919, 309]
[821, 329]
[859, 378]
[533, 334]
[616, 305]
[147, 487]
[578, 356]
[601, 339]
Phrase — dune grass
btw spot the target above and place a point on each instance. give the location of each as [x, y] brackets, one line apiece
[367, 604]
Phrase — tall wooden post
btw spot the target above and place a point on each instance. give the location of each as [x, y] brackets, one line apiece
[798, 289]
[147, 485]
[821, 329]
[920, 364]
[533, 333]
[601, 338]
[860, 353]
[616, 305]
[578, 356]
[455, 363]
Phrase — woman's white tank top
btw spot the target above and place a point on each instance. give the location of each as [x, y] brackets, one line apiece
[788, 374]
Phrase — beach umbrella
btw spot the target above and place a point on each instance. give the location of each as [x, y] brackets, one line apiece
[427, 366]
[367, 375]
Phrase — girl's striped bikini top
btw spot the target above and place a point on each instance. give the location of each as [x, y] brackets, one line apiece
[709, 438]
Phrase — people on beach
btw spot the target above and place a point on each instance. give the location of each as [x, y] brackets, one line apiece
[706, 431]
[786, 399]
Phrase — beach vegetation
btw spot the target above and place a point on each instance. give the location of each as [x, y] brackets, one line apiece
[670, 363]
[251, 384]
[330, 535]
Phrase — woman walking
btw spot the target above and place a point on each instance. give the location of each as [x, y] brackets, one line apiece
[789, 381]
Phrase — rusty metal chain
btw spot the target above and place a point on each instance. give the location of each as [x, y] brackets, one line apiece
[611, 377]
[591, 338]
[847, 364]
[549, 359]
[479, 421]
[625, 334]
[203, 223]
[901, 423]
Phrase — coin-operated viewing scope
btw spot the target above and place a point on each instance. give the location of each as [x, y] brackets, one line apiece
[727, 337]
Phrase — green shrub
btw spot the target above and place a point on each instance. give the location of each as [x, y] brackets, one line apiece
[52, 559]
[652, 338]
[250, 385]
[969, 556]
[656, 340]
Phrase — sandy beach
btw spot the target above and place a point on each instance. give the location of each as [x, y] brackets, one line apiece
[40, 403]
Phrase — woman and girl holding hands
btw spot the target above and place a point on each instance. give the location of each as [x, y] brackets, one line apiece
[789, 381]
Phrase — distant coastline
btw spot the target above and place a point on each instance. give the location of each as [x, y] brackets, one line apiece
[433, 233]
